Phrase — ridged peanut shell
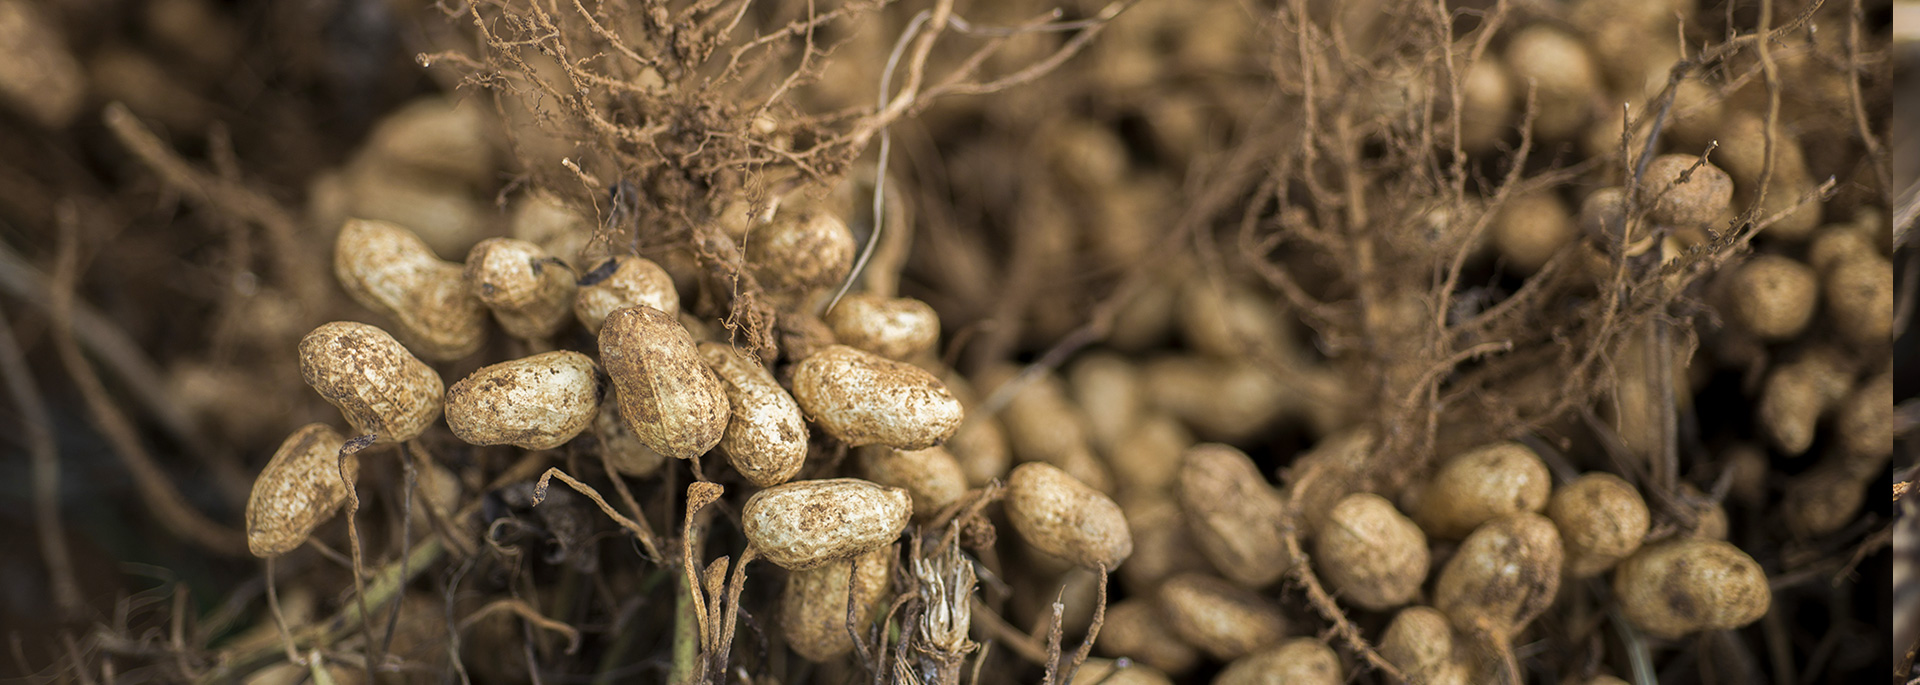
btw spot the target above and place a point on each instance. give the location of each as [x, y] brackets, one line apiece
[893, 327]
[805, 524]
[620, 282]
[813, 606]
[1483, 484]
[1300, 661]
[1065, 518]
[529, 291]
[1501, 577]
[1370, 553]
[388, 269]
[1223, 620]
[1236, 518]
[766, 438]
[932, 476]
[668, 395]
[536, 403]
[298, 490]
[380, 387]
[1691, 584]
[861, 398]
[1601, 519]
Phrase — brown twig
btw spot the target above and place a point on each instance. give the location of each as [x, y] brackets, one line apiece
[526, 612]
[37, 425]
[158, 492]
[638, 528]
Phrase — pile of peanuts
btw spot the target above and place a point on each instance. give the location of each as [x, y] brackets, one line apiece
[1124, 460]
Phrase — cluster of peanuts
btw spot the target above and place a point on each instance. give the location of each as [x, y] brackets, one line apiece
[1124, 460]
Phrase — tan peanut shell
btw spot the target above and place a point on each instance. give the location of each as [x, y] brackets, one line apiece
[1420, 643]
[1686, 585]
[864, 399]
[766, 439]
[1221, 619]
[1601, 519]
[1501, 576]
[804, 524]
[40, 78]
[388, 269]
[1773, 297]
[897, 328]
[1145, 460]
[620, 282]
[1065, 518]
[618, 445]
[542, 218]
[1043, 424]
[1699, 199]
[1372, 554]
[813, 606]
[1823, 500]
[1135, 630]
[1566, 79]
[1480, 485]
[1300, 661]
[668, 395]
[931, 476]
[1864, 424]
[800, 250]
[1108, 389]
[298, 490]
[1162, 546]
[1531, 228]
[1797, 393]
[529, 291]
[535, 403]
[1859, 297]
[381, 388]
[1236, 518]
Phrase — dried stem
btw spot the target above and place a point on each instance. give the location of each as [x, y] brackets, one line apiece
[37, 425]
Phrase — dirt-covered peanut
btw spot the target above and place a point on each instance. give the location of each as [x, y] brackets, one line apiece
[1748, 465]
[1221, 400]
[1300, 661]
[1066, 518]
[620, 282]
[1487, 105]
[861, 398]
[1114, 672]
[1223, 620]
[437, 136]
[1480, 485]
[1237, 519]
[1420, 643]
[1798, 392]
[1135, 630]
[932, 476]
[381, 388]
[1601, 519]
[1773, 297]
[813, 606]
[1864, 424]
[1835, 244]
[1369, 552]
[536, 403]
[1226, 320]
[1111, 396]
[618, 445]
[1699, 198]
[1044, 424]
[1531, 228]
[670, 398]
[1146, 459]
[298, 490]
[1326, 474]
[800, 249]
[981, 447]
[1501, 577]
[1686, 585]
[807, 523]
[1567, 82]
[893, 327]
[1603, 215]
[766, 438]
[528, 290]
[1859, 298]
[388, 269]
